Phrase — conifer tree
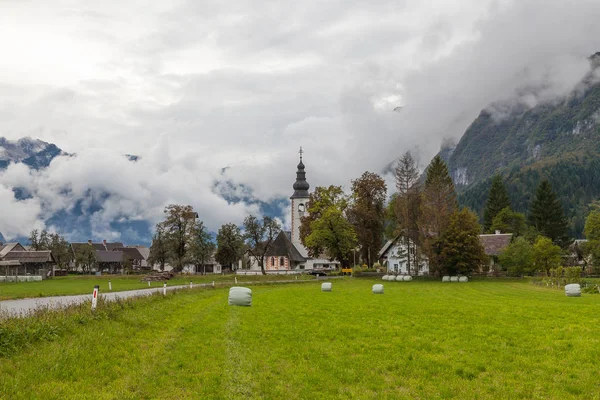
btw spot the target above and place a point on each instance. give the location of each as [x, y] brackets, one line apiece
[496, 202]
[437, 205]
[408, 205]
[547, 215]
[462, 251]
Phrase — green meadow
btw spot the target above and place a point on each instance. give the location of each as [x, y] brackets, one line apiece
[419, 340]
[84, 284]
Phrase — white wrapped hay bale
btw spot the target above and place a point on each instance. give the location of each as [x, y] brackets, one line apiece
[326, 287]
[378, 288]
[573, 290]
[407, 278]
[446, 279]
[398, 278]
[454, 279]
[240, 296]
[463, 279]
[384, 278]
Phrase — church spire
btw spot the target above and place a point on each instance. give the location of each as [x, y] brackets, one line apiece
[300, 186]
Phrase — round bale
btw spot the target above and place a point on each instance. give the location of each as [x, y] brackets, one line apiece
[326, 287]
[378, 288]
[446, 279]
[454, 279]
[407, 278]
[240, 296]
[463, 279]
[398, 278]
[573, 290]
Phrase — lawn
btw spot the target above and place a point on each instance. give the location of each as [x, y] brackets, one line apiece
[419, 340]
[83, 284]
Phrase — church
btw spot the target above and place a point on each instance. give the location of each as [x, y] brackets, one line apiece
[287, 253]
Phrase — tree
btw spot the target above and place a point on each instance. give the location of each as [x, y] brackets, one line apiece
[230, 244]
[547, 214]
[592, 225]
[496, 202]
[334, 234]
[85, 257]
[367, 213]
[408, 206]
[178, 227]
[202, 246]
[517, 258]
[61, 250]
[259, 236]
[508, 221]
[437, 205]
[319, 202]
[546, 255]
[462, 251]
[159, 251]
[39, 240]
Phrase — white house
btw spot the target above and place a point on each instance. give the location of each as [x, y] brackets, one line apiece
[393, 256]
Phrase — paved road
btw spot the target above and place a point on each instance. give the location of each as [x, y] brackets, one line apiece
[24, 306]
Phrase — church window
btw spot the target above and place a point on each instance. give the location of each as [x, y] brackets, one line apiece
[301, 207]
[281, 262]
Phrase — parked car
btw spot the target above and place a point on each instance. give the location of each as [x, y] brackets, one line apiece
[317, 272]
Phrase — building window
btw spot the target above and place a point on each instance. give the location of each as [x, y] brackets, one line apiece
[301, 207]
[272, 261]
[281, 262]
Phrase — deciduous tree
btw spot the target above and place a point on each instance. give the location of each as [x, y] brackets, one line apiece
[508, 221]
[518, 257]
[259, 236]
[202, 246]
[230, 244]
[334, 234]
[159, 251]
[178, 228]
[367, 214]
[462, 251]
[592, 225]
[85, 257]
[546, 255]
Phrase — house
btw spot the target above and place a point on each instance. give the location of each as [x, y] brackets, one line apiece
[133, 254]
[493, 245]
[111, 261]
[393, 257]
[8, 247]
[282, 255]
[30, 262]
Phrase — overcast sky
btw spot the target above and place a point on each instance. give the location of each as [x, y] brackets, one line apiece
[196, 86]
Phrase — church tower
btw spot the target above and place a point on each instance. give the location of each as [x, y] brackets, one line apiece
[299, 205]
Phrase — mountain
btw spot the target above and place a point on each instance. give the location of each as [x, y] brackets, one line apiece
[35, 153]
[557, 140]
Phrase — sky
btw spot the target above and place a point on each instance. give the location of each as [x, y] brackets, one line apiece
[212, 92]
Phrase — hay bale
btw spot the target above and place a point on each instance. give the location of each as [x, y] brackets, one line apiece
[385, 277]
[326, 287]
[463, 279]
[446, 279]
[573, 290]
[407, 278]
[398, 278]
[240, 296]
[454, 279]
[378, 288]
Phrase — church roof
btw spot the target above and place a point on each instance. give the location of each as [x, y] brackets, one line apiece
[300, 186]
[282, 246]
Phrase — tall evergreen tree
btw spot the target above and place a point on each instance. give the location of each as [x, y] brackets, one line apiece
[408, 205]
[547, 215]
[496, 202]
[437, 205]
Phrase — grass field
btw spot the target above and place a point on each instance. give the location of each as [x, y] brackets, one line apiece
[420, 340]
[83, 284]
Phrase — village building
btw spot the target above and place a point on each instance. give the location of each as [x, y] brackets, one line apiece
[287, 253]
[15, 259]
[393, 256]
[494, 244]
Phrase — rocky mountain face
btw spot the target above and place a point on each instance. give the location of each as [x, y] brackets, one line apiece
[558, 140]
[35, 153]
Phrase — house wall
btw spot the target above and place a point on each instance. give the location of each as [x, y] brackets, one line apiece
[398, 265]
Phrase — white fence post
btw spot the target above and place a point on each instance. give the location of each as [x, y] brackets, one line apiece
[190, 284]
[235, 277]
[148, 283]
[165, 289]
[95, 297]
[213, 283]
[109, 285]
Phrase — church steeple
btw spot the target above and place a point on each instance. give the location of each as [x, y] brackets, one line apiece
[300, 186]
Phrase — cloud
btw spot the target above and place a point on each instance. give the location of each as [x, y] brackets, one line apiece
[194, 87]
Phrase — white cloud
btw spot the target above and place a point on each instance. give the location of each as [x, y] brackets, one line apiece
[194, 87]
